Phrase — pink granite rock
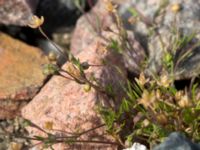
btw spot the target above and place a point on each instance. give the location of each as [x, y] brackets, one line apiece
[88, 25]
[65, 103]
[91, 25]
[20, 74]
[69, 107]
[16, 12]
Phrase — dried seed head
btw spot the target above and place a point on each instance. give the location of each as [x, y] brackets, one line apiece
[175, 8]
[184, 101]
[48, 125]
[73, 70]
[15, 146]
[158, 94]
[179, 95]
[164, 81]
[145, 123]
[132, 20]
[35, 21]
[110, 7]
[52, 56]
[87, 87]
[148, 99]
[141, 80]
[162, 119]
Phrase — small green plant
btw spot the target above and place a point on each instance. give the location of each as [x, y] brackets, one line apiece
[156, 108]
[153, 107]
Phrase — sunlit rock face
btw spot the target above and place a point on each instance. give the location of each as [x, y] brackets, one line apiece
[20, 74]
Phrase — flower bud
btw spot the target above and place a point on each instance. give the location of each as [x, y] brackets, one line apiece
[52, 56]
[184, 102]
[179, 95]
[164, 81]
[49, 69]
[87, 87]
[110, 7]
[35, 21]
[162, 119]
[73, 71]
[145, 123]
[85, 65]
[141, 80]
[48, 125]
[175, 8]
[15, 146]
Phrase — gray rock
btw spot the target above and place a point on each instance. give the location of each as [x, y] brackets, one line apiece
[190, 66]
[187, 21]
[177, 141]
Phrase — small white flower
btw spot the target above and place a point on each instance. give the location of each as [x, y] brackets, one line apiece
[137, 146]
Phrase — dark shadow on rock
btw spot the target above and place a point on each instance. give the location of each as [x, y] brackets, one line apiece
[189, 66]
[143, 40]
[59, 14]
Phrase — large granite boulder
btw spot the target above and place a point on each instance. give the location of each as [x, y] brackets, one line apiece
[65, 103]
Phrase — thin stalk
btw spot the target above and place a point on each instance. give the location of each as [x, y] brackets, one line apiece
[53, 43]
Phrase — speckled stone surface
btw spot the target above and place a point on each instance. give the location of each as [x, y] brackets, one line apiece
[186, 21]
[16, 12]
[69, 107]
[20, 74]
[98, 20]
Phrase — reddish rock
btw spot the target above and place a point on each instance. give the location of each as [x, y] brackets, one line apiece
[98, 20]
[20, 74]
[69, 107]
[16, 12]
[88, 25]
